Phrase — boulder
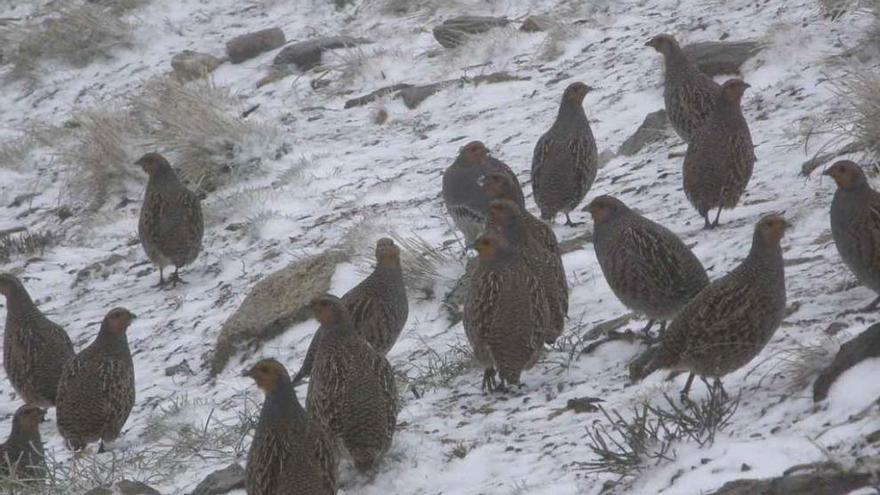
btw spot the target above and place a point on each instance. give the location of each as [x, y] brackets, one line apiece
[819, 482]
[536, 24]
[189, 65]
[454, 32]
[307, 54]
[248, 46]
[653, 129]
[222, 481]
[275, 303]
[721, 57]
[851, 353]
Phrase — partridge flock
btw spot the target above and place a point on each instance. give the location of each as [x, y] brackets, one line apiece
[517, 299]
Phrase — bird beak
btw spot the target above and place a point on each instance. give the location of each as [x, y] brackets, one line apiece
[828, 172]
[747, 85]
[247, 373]
[649, 43]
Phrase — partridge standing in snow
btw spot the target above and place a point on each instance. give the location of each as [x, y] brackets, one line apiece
[35, 348]
[291, 452]
[499, 186]
[462, 190]
[506, 218]
[689, 94]
[855, 224]
[378, 305]
[647, 266]
[352, 390]
[505, 313]
[96, 392]
[565, 161]
[22, 456]
[171, 225]
[730, 321]
[720, 157]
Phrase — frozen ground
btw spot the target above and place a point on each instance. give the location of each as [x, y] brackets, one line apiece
[346, 179]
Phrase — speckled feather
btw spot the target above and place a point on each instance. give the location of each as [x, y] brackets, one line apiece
[690, 95]
[855, 226]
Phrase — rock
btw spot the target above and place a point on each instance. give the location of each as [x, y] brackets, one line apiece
[576, 243]
[721, 57]
[189, 65]
[583, 404]
[413, 96]
[307, 54]
[453, 302]
[823, 482]
[865, 346]
[222, 481]
[536, 23]
[375, 95]
[124, 487]
[248, 46]
[181, 368]
[653, 129]
[454, 32]
[277, 301]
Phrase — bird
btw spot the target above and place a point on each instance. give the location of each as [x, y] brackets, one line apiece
[462, 192]
[96, 392]
[731, 320]
[378, 305]
[22, 456]
[855, 224]
[352, 390]
[505, 313]
[35, 348]
[690, 96]
[720, 157]
[290, 448]
[508, 219]
[171, 225]
[565, 161]
[646, 265]
[499, 186]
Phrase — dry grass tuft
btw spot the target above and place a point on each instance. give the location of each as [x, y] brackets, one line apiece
[429, 368]
[858, 120]
[76, 33]
[21, 241]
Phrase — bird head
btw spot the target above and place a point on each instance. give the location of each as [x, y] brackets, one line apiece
[575, 92]
[328, 309]
[118, 320]
[604, 208]
[663, 43]
[387, 253]
[771, 229]
[152, 163]
[473, 153]
[268, 374]
[502, 212]
[498, 186]
[28, 417]
[733, 89]
[490, 245]
[9, 283]
[846, 174]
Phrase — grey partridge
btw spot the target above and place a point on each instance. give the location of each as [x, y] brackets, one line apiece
[22, 457]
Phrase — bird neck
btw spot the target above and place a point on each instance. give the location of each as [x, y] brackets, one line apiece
[764, 254]
[337, 331]
[281, 406]
[19, 304]
[571, 118]
[164, 177]
[677, 64]
[21, 440]
[111, 342]
[514, 232]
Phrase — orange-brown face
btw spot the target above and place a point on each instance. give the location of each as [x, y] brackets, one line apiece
[488, 245]
[323, 310]
[496, 186]
[602, 207]
[474, 153]
[575, 92]
[663, 43]
[733, 89]
[772, 228]
[268, 374]
[845, 173]
[29, 418]
[501, 212]
[387, 253]
[119, 319]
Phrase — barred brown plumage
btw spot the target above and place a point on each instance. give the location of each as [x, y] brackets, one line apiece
[22, 456]
[855, 224]
[690, 95]
[565, 160]
[508, 219]
[463, 195]
[378, 305]
[290, 448]
[35, 349]
[720, 157]
[505, 313]
[499, 186]
[647, 266]
[96, 392]
[730, 321]
[171, 225]
[352, 390]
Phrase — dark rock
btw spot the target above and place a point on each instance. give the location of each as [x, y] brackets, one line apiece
[248, 46]
[375, 95]
[181, 368]
[454, 32]
[827, 482]
[721, 57]
[583, 404]
[851, 353]
[653, 129]
[575, 243]
[536, 23]
[189, 65]
[413, 96]
[307, 54]
[222, 481]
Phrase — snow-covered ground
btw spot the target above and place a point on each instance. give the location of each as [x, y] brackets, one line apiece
[347, 179]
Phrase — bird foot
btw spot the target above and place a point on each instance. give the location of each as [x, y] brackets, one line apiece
[569, 223]
[489, 383]
[175, 279]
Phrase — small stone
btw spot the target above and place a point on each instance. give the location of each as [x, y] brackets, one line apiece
[745, 467]
[222, 481]
[653, 129]
[248, 46]
[865, 346]
[583, 404]
[307, 54]
[182, 368]
[455, 32]
[189, 65]
[536, 23]
[721, 57]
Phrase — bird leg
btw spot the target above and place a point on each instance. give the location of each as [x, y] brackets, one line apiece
[687, 387]
[162, 281]
[708, 224]
[647, 330]
[175, 278]
[569, 223]
[489, 383]
[717, 216]
[101, 449]
[662, 330]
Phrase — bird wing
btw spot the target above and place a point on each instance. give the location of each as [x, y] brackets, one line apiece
[117, 376]
[266, 459]
[309, 361]
[481, 308]
[541, 148]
